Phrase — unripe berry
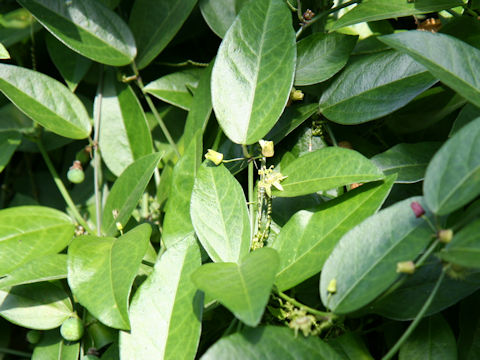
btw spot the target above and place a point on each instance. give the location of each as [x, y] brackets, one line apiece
[76, 174]
[72, 329]
[34, 336]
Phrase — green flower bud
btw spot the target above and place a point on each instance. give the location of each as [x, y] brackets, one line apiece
[332, 286]
[267, 148]
[34, 336]
[214, 156]
[445, 236]
[72, 329]
[406, 267]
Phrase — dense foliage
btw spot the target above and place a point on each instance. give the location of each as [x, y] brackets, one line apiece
[235, 179]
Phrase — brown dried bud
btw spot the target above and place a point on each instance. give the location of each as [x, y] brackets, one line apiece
[308, 15]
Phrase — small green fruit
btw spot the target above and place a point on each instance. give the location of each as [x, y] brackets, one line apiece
[34, 336]
[76, 176]
[72, 329]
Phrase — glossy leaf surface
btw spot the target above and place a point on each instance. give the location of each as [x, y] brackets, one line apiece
[325, 169]
[166, 311]
[88, 27]
[308, 238]
[45, 100]
[238, 286]
[255, 60]
[372, 86]
[53, 346]
[220, 14]
[127, 191]
[320, 56]
[443, 55]
[375, 247]
[111, 265]
[219, 214]
[27, 232]
[124, 133]
[269, 343]
[9, 141]
[464, 249]
[453, 176]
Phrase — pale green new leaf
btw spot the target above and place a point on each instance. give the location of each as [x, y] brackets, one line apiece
[127, 191]
[53, 346]
[166, 310]
[308, 238]
[220, 14]
[219, 214]
[464, 249]
[452, 61]
[372, 86]
[88, 27]
[254, 70]
[124, 133]
[27, 232]
[110, 265]
[242, 288]
[453, 176]
[45, 100]
[325, 169]
[9, 141]
[374, 247]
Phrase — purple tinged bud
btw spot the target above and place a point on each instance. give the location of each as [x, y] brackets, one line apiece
[417, 209]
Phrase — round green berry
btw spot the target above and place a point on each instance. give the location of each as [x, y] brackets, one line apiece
[34, 336]
[72, 329]
[76, 176]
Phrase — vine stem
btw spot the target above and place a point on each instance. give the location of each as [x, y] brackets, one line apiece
[15, 352]
[97, 161]
[251, 200]
[298, 304]
[63, 190]
[323, 14]
[415, 322]
[154, 111]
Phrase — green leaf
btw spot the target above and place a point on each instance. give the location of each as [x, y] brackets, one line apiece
[39, 306]
[372, 86]
[444, 56]
[269, 343]
[453, 176]
[124, 133]
[350, 346]
[431, 340]
[45, 100]
[325, 169]
[127, 191]
[242, 288]
[220, 14]
[320, 56]
[53, 346]
[177, 223]
[4, 52]
[155, 23]
[468, 113]
[16, 26]
[101, 271]
[373, 10]
[219, 214]
[408, 161]
[27, 232]
[9, 141]
[464, 249]
[175, 88]
[375, 247]
[469, 329]
[308, 238]
[253, 72]
[72, 66]
[166, 311]
[88, 27]
[44, 268]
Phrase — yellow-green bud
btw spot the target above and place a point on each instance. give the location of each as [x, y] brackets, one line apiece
[296, 95]
[214, 156]
[406, 267]
[267, 148]
[119, 226]
[445, 236]
[332, 286]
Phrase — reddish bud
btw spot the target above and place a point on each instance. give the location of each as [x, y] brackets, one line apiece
[417, 209]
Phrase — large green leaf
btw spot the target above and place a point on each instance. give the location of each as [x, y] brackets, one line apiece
[308, 238]
[127, 191]
[39, 306]
[166, 311]
[351, 346]
[469, 326]
[220, 14]
[9, 141]
[243, 288]
[155, 23]
[453, 176]
[408, 161]
[464, 249]
[269, 343]
[108, 264]
[373, 10]
[374, 247]
[468, 113]
[53, 346]
[433, 339]
[325, 169]
[16, 26]
[124, 133]
[254, 70]
[43, 268]
[219, 214]
[27, 232]
[88, 27]
[320, 56]
[372, 86]
[45, 100]
[444, 56]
